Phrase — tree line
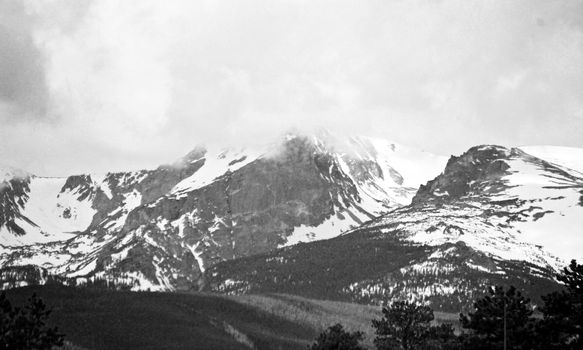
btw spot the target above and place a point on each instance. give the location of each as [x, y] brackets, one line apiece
[25, 328]
[503, 319]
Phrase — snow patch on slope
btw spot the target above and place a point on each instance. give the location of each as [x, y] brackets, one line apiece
[450, 224]
[216, 163]
[117, 218]
[330, 228]
[557, 200]
[569, 157]
[54, 211]
[53, 215]
[197, 255]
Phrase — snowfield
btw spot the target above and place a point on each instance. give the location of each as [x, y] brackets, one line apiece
[569, 157]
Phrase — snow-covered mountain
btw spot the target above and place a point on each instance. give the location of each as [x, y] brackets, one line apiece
[495, 215]
[518, 206]
[160, 229]
[383, 221]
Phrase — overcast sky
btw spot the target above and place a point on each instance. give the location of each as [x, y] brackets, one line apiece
[108, 85]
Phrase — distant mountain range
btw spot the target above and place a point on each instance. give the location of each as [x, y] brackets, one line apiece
[384, 220]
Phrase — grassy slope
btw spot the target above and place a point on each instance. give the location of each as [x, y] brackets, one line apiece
[97, 319]
[320, 314]
[102, 319]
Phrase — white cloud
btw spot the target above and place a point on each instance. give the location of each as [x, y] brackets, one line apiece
[140, 82]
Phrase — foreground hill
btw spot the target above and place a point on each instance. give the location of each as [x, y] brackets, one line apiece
[97, 319]
[103, 319]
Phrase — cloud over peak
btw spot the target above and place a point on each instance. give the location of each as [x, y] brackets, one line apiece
[117, 84]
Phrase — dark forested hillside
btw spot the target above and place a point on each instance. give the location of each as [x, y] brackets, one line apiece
[367, 266]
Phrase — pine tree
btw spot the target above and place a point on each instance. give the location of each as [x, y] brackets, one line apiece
[25, 328]
[442, 337]
[336, 338]
[404, 326]
[563, 311]
[502, 317]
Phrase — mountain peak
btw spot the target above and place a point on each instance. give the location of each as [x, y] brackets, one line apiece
[489, 170]
[486, 163]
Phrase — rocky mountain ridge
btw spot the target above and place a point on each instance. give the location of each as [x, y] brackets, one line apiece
[233, 221]
[159, 229]
[493, 216]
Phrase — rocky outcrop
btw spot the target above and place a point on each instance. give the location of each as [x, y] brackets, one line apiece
[467, 174]
[13, 196]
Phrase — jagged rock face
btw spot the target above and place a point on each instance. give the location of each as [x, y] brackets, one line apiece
[160, 229]
[241, 213]
[253, 209]
[13, 195]
[484, 171]
[466, 174]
